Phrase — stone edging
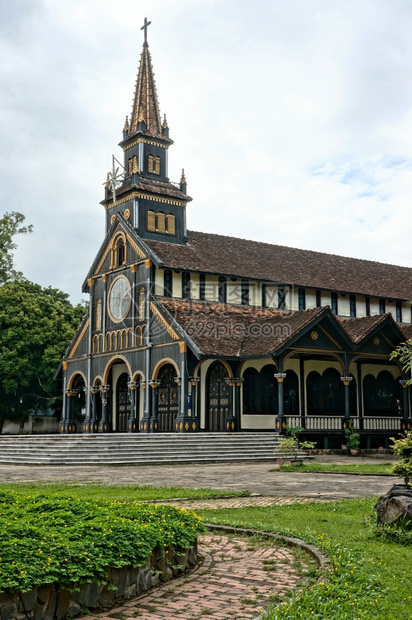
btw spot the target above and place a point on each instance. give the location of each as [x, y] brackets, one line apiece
[48, 602]
[322, 560]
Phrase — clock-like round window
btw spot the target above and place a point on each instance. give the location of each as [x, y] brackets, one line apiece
[119, 299]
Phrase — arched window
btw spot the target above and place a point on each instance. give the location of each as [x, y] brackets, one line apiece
[120, 252]
[99, 314]
[291, 393]
[260, 391]
[388, 396]
[325, 394]
[250, 390]
[313, 390]
[141, 304]
[332, 392]
[369, 395]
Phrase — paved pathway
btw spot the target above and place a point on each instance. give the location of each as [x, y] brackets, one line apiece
[253, 477]
[236, 579]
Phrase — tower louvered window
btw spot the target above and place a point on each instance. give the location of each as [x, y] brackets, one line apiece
[170, 224]
[151, 220]
[161, 222]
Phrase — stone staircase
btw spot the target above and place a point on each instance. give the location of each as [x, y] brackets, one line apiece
[138, 449]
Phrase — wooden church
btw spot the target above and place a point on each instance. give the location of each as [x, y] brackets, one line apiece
[191, 331]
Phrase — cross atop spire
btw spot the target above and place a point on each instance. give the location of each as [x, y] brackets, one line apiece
[145, 115]
[144, 27]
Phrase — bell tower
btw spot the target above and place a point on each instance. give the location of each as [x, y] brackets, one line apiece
[140, 188]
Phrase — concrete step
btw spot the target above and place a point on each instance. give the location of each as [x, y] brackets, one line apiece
[123, 449]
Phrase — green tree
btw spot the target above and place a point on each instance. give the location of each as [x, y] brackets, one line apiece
[36, 326]
[403, 353]
[10, 225]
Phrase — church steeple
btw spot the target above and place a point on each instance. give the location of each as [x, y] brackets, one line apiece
[142, 191]
[145, 113]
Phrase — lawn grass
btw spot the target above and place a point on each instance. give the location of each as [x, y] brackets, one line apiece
[370, 577]
[350, 468]
[122, 493]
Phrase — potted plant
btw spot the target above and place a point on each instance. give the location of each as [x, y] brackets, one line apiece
[352, 438]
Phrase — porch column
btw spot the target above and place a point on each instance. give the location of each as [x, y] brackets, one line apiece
[133, 423]
[104, 424]
[280, 422]
[87, 426]
[346, 382]
[229, 423]
[302, 400]
[69, 425]
[239, 382]
[194, 382]
[153, 425]
[94, 424]
[184, 423]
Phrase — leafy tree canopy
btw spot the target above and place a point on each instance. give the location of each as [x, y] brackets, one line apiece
[10, 225]
[403, 353]
[36, 326]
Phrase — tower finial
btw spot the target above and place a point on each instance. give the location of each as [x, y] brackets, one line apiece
[144, 27]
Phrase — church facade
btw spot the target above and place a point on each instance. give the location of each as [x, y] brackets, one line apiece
[189, 331]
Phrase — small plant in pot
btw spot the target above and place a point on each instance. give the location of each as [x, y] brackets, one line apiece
[352, 439]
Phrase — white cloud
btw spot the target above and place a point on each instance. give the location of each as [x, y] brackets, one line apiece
[291, 118]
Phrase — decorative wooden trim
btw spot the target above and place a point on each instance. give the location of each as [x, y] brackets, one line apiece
[90, 282]
[163, 321]
[182, 347]
[151, 142]
[79, 339]
[329, 336]
[65, 366]
[148, 263]
[144, 195]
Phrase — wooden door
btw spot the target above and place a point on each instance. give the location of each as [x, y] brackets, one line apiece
[167, 399]
[218, 397]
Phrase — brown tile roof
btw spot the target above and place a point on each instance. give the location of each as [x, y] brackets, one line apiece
[237, 331]
[358, 329]
[219, 254]
[406, 331]
[151, 186]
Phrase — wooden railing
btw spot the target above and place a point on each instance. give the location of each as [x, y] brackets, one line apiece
[323, 423]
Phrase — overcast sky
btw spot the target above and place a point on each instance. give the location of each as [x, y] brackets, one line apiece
[292, 119]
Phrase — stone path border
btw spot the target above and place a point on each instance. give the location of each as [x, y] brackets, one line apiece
[236, 578]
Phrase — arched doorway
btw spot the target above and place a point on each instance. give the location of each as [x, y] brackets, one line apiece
[218, 397]
[167, 398]
[122, 403]
[79, 401]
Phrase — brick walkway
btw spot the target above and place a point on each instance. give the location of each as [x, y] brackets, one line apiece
[236, 579]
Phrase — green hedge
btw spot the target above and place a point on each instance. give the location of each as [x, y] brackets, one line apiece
[47, 539]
